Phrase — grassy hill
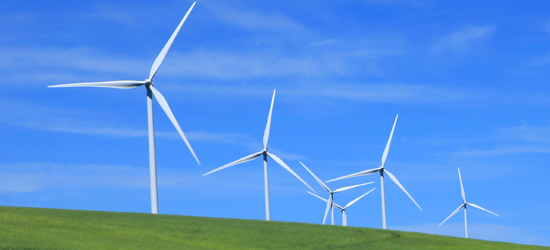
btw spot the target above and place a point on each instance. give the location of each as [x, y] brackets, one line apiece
[35, 228]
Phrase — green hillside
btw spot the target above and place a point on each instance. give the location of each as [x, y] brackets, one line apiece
[34, 228]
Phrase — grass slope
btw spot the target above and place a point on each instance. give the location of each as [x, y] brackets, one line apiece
[36, 228]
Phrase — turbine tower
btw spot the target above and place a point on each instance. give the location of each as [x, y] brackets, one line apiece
[330, 202]
[151, 91]
[265, 154]
[343, 209]
[465, 206]
[381, 169]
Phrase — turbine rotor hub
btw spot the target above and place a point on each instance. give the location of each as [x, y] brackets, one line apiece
[148, 82]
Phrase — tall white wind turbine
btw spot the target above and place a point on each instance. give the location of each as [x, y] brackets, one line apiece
[343, 209]
[381, 169]
[330, 201]
[265, 154]
[151, 91]
[465, 206]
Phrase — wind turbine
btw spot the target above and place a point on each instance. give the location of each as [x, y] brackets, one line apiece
[465, 206]
[151, 91]
[343, 209]
[381, 169]
[330, 202]
[265, 154]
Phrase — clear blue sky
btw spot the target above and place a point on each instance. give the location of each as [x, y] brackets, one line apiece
[469, 80]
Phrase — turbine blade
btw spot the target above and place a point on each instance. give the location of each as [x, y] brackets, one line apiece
[456, 211]
[336, 205]
[401, 186]
[365, 172]
[110, 84]
[317, 179]
[387, 149]
[278, 160]
[329, 203]
[239, 161]
[350, 187]
[358, 198]
[268, 125]
[461, 186]
[164, 105]
[323, 199]
[164, 51]
[476, 206]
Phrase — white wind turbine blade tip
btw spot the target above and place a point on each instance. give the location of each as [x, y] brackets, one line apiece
[239, 161]
[461, 186]
[268, 125]
[164, 105]
[478, 207]
[362, 173]
[160, 58]
[387, 149]
[350, 187]
[456, 211]
[358, 198]
[402, 188]
[317, 179]
[280, 162]
[126, 84]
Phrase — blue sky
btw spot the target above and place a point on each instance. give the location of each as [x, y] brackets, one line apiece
[467, 78]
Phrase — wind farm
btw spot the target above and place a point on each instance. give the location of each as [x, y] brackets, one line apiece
[76, 138]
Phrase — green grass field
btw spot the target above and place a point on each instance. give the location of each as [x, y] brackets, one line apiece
[36, 228]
